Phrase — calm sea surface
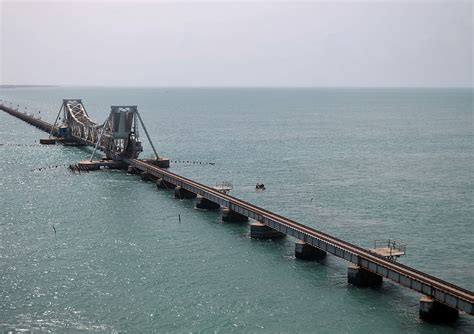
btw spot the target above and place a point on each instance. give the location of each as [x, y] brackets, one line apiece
[360, 164]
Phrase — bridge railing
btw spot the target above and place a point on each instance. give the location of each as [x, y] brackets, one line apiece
[393, 245]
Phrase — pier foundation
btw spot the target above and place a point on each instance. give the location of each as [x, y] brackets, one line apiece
[48, 141]
[146, 177]
[261, 231]
[204, 203]
[132, 170]
[231, 216]
[434, 311]
[361, 277]
[182, 193]
[88, 165]
[98, 164]
[304, 251]
[160, 162]
[162, 184]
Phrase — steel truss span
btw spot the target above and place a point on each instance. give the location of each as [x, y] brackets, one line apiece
[117, 137]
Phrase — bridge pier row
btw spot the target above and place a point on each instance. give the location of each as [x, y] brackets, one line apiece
[162, 184]
[434, 311]
[361, 277]
[304, 251]
[259, 230]
[204, 203]
[231, 216]
[182, 193]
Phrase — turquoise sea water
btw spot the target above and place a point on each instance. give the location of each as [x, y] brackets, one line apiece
[360, 164]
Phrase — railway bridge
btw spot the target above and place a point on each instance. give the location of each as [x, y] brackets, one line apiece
[119, 140]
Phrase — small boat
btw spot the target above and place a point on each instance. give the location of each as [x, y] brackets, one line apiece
[260, 186]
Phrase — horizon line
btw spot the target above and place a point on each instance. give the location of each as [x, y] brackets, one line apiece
[230, 86]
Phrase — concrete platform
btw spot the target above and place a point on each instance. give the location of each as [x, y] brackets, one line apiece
[387, 252]
[98, 164]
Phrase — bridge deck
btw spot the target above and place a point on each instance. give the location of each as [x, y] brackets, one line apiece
[442, 291]
[30, 119]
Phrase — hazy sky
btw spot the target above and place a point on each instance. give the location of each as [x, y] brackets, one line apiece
[319, 43]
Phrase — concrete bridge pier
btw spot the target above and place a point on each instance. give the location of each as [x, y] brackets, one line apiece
[162, 184]
[361, 277]
[146, 177]
[261, 231]
[231, 216]
[304, 251]
[48, 141]
[182, 193]
[204, 203]
[132, 170]
[434, 311]
[158, 162]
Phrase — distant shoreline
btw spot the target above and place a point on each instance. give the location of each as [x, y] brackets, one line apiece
[27, 86]
[240, 87]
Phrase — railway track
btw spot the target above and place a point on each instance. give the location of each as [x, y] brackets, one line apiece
[442, 291]
[425, 279]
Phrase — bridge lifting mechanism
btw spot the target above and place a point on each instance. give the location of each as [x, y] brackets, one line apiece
[117, 137]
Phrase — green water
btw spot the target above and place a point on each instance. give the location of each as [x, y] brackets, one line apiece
[360, 164]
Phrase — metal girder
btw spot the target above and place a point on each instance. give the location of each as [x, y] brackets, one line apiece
[442, 291]
[103, 136]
